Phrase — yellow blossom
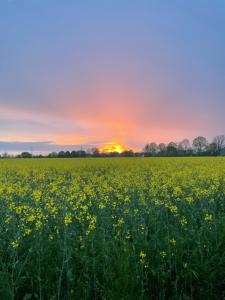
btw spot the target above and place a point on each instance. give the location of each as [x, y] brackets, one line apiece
[68, 219]
[208, 217]
[173, 242]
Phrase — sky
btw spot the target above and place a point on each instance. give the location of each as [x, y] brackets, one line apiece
[77, 73]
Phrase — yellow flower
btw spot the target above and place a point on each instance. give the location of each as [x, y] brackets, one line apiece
[92, 224]
[142, 228]
[163, 254]
[119, 223]
[173, 242]
[50, 237]
[27, 232]
[8, 219]
[37, 196]
[208, 217]
[173, 208]
[128, 235]
[189, 200]
[31, 218]
[126, 199]
[177, 190]
[135, 211]
[101, 205]
[142, 254]
[68, 219]
[158, 202]
[38, 224]
[15, 244]
[183, 221]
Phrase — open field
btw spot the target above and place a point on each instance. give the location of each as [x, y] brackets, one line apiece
[139, 228]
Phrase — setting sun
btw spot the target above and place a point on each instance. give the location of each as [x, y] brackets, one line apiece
[112, 147]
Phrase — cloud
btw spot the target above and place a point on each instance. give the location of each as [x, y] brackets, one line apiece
[30, 125]
[79, 77]
[37, 147]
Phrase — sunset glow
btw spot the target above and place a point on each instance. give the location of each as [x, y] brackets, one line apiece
[112, 147]
[88, 74]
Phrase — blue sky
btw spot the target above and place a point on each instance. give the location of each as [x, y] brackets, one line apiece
[92, 72]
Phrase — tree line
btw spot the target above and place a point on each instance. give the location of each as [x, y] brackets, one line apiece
[93, 152]
[199, 147]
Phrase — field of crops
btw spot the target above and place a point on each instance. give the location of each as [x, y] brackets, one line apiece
[122, 228]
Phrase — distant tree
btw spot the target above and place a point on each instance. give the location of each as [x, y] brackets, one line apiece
[184, 145]
[212, 149]
[127, 153]
[138, 154]
[199, 144]
[162, 147]
[219, 141]
[81, 153]
[53, 155]
[61, 154]
[172, 144]
[94, 152]
[5, 155]
[171, 148]
[146, 148]
[67, 154]
[113, 154]
[151, 149]
[74, 154]
[25, 155]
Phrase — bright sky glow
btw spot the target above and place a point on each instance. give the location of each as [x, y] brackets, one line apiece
[93, 72]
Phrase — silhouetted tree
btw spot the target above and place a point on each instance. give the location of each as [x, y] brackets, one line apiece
[171, 149]
[94, 152]
[162, 147]
[81, 153]
[153, 148]
[74, 154]
[211, 149]
[199, 144]
[127, 153]
[61, 154]
[184, 145]
[113, 154]
[53, 155]
[25, 155]
[67, 154]
[150, 149]
[5, 155]
[146, 148]
[219, 141]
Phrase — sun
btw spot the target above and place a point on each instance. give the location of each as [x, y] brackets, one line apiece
[112, 147]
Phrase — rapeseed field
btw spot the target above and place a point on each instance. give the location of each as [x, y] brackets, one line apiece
[114, 228]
